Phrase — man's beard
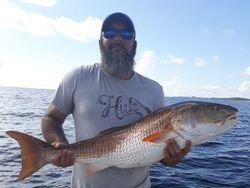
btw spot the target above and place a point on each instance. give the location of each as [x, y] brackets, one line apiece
[117, 62]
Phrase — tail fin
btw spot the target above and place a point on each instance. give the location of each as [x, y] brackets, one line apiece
[31, 152]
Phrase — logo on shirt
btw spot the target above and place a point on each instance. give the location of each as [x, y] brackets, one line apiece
[121, 107]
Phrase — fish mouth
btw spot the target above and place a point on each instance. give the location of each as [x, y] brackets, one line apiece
[232, 117]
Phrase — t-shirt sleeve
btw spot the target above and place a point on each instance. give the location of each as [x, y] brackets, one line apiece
[63, 99]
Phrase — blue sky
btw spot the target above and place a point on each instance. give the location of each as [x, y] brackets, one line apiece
[191, 47]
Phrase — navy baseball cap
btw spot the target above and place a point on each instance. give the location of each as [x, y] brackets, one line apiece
[118, 17]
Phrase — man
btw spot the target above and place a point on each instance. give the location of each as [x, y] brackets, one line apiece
[106, 95]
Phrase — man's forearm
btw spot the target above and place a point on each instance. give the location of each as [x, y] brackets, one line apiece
[52, 130]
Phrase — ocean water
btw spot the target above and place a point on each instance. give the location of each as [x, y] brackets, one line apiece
[223, 162]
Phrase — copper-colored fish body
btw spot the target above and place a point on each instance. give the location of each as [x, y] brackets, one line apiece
[138, 144]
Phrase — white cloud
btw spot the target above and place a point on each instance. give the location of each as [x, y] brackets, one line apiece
[174, 60]
[206, 30]
[55, 57]
[215, 59]
[199, 62]
[172, 87]
[146, 64]
[14, 18]
[84, 31]
[175, 87]
[247, 71]
[17, 72]
[229, 32]
[46, 3]
[245, 87]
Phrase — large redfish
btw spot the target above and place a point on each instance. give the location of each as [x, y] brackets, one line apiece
[138, 144]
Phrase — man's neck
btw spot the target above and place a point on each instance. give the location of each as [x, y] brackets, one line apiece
[120, 76]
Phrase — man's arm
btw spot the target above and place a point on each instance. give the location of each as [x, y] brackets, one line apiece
[52, 126]
[53, 133]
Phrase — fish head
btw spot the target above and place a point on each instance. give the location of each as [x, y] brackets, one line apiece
[203, 118]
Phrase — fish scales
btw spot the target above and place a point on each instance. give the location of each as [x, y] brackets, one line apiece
[138, 144]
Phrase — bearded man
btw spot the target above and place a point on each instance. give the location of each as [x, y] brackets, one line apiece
[103, 96]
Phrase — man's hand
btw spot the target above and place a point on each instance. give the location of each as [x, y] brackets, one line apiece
[173, 154]
[65, 158]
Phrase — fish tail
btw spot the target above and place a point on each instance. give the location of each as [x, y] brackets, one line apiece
[31, 152]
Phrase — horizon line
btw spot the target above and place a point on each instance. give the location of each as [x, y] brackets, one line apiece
[181, 96]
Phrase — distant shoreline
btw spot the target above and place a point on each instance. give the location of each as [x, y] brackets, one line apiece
[225, 98]
[234, 98]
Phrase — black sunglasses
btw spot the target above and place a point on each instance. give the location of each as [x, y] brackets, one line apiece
[110, 34]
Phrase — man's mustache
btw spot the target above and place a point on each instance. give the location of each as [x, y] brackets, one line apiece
[112, 46]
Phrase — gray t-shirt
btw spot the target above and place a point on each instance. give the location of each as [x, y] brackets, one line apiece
[99, 101]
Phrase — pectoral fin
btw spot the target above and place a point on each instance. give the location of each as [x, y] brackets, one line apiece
[157, 137]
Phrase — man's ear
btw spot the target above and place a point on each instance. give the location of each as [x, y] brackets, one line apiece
[134, 48]
[135, 44]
